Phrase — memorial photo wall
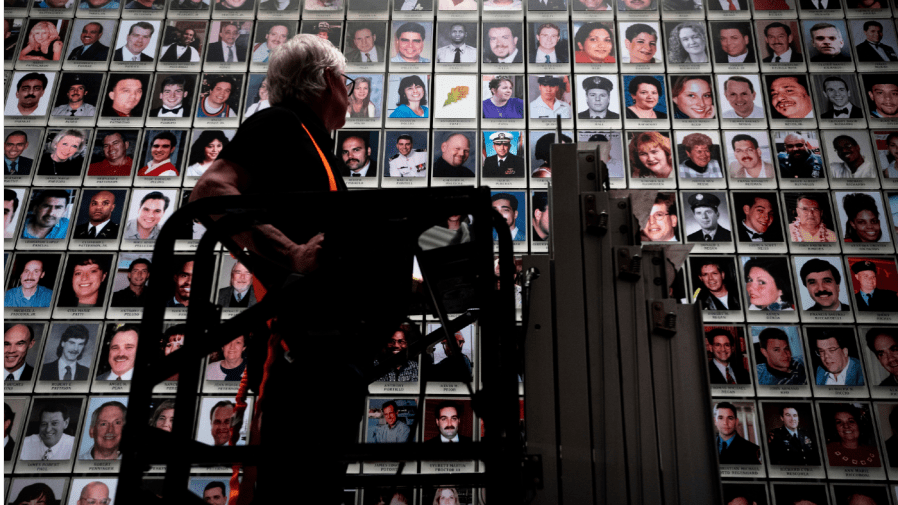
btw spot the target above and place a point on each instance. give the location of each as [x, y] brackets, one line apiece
[766, 132]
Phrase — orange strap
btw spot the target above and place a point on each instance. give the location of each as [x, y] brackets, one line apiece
[327, 166]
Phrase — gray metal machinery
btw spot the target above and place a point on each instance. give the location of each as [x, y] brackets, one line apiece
[617, 401]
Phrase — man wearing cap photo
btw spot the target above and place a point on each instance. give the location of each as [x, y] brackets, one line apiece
[548, 104]
[704, 209]
[503, 163]
[76, 106]
[868, 297]
[598, 98]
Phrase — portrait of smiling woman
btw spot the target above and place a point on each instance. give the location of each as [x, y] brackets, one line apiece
[44, 43]
[688, 43]
[692, 97]
[767, 284]
[64, 155]
[645, 93]
[412, 98]
[650, 156]
[503, 104]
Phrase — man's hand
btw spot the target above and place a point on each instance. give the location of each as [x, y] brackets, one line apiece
[305, 259]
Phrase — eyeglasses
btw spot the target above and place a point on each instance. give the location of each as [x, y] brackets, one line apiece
[350, 83]
[827, 352]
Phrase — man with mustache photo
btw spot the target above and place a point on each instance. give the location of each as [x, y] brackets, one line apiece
[747, 162]
[789, 97]
[448, 416]
[356, 153]
[823, 282]
[71, 349]
[779, 43]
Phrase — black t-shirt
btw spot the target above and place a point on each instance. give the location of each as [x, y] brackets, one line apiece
[279, 156]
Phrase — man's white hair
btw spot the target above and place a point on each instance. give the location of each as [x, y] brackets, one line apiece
[296, 69]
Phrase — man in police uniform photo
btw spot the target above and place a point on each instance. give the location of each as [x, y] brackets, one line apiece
[408, 162]
[503, 163]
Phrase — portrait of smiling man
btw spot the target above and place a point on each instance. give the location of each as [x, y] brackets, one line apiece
[149, 214]
[105, 430]
[457, 50]
[789, 97]
[661, 225]
[91, 49]
[138, 40]
[362, 46]
[734, 41]
[25, 98]
[227, 49]
[162, 148]
[277, 34]
[883, 93]
[122, 351]
[215, 102]
[501, 44]
[823, 280]
[51, 442]
[838, 95]
[181, 49]
[740, 93]
[18, 340]
[409, 44]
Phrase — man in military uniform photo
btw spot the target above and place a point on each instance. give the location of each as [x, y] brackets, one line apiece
[503, 163]
[791, 445]
[408, 162]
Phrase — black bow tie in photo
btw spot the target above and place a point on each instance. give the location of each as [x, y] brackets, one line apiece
[840, 111]
[171, 111]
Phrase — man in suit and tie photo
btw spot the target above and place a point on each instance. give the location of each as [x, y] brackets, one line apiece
[363, 47]
[15, 144]
[71, 349]
[838, 93]
[356, 153]
[704, 209]
[448, 415]
[501, 44]
[91, 49]
[457, 50]
[548, 49]
[824, 283]
[815, 5]
[760, 220]
[226, 49]
[726, 365]
[731, 447]
[779, 43]
[869, 297]
[17, 341]
[872, 49]
[503, 164]
[240, 292]
[139, 36]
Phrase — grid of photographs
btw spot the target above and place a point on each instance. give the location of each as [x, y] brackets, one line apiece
[765, 130]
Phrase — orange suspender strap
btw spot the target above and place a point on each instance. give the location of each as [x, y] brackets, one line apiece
[327, 166]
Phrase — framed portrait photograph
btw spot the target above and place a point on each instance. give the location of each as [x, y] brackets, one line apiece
[662, 223]
[707, 221]
[161, 158]
[21, 146]
[48, 219]
[851, 160]
[878, 343]
[359, 150]
[601, 96]
[456, 45]
[503, 100]
[366, 45]
[62, 161]
[503, 47]
[741, 101]
[84, 286]
[783, 422]
[43, 44]
[147, 212]
[728, 360]
[136, 45]
[770, 295]
[22, 367]
[101, 437]
[837, 362]
[854, 449]
[650, 156]
[749, 160]
[99, 219]
[825, 297]
[885, 142]
[860, 221]
[453, 163]
[781, 368]
[411, 49]
[799, 159]
[692, 101]
[737, 438]
[172, 100]
[548, 45]
[269, 36]
[594, 44]
[49, 439]
[875, 44]
[715, 287]
[129, 282]
[406, 158]
[31, 285]
[645, 99]
[13, 199]
[89, 43]
[687, 46]
[512, 205]
[28, 100]
[219, 100]
[641, 47]
[812, 224]
[407, 100]
[828, 45]
[228, 45]
[734, 47]
[781, 48]
[125, 97]
[882, 99]
[182, 44]
[112, 157]
[76, 99]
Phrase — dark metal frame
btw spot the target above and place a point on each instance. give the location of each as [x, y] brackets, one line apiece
[496, 402]
[621, 412]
